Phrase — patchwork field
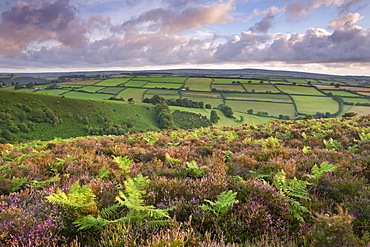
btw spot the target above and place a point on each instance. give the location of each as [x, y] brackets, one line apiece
[232, 87]
[214, 102]
[262, 97]
[162, 85]
[360, 110]
[91, 89]
[341, 93]
[111, 90]
[273, 109]
[87, 95]
[136, 83]
[201, 94]
[312, 104]
[356, 100]
[261, 88]
[299, 90]
[198, 84]
[86, 82]
[52, 91]
[135, 93]
[112, 82]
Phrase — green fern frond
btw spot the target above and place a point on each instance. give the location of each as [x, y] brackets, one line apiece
[171, 161]
[78, 197]
[17, 183]
[90, 222]
[223, 203]
[109, 211]
[124, 163]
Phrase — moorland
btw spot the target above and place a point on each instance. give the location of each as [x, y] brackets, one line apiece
[209, 158]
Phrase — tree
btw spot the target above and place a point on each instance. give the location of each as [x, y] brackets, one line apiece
[250, 111]
[208, 106]
[226, 110]
[214, 117]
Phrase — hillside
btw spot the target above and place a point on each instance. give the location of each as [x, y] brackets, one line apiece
[283, 183]
[27, 116]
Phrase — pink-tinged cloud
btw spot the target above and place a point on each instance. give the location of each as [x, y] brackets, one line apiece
[296, 8]
[345, 21]
[171, 21]
[25, 23]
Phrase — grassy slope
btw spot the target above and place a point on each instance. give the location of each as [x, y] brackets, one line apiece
[72, 110]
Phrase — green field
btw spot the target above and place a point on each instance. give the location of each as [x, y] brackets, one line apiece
[261, 88]
[135, 83]
[202, 94]
[91, 89]
[52, 91]
[229, 81]
[232, 87]
[298, 80]
[179, 80]
[112, 82]
[260, 96]
[161, 92]
[214, 102]
[135, 93]
[198, 84]
[299, 90]
[341, 93]
[273, 109]
[162, 85]
[87, 95]
[111, 90]
[356, 100]
[312, 104]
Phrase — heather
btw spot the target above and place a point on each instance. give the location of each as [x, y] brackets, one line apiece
[282, 183]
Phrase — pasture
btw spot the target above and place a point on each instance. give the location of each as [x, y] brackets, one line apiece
[230, 87]
[111, 90]
[228, 80]
[299, 90]
[179, 80]
[91, 89]
[261, 88]
[52, 91]
[262, 97]
[162, 85]
[356, 100]
[83, 95]
[135, 93]
[198, 84]
[113, 82]
[201, 94]
[296, 80]
[341, 93]
[135, 83]
[273, 109]
[214, 102]
[360, 110]
[85, 82]
[312, 104]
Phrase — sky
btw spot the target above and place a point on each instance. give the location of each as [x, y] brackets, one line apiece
[320, 36]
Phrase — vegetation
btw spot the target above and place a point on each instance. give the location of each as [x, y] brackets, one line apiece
[282, 183]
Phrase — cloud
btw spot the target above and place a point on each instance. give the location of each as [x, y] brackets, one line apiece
[345, 21]
[297, 9]
[170, 21]
[25, 23]
[264, 25]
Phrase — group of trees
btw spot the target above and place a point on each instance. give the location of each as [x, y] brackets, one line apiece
[184, 102]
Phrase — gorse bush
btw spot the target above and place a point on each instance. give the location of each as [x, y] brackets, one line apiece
[283, 183]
